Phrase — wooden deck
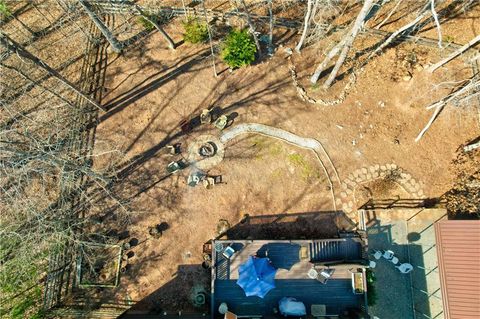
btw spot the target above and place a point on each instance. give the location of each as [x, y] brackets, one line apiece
[284, 256]
[291, 279]
[336, 295]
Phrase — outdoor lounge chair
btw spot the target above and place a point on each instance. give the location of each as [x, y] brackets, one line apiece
[377, 254]
[325, 274]
[228, 252]
[303, 253]
[388, 254]
[405, 268]
[221, 122]
[206, 116]
[394, 260]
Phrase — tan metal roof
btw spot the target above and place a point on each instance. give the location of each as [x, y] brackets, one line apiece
[458, 249]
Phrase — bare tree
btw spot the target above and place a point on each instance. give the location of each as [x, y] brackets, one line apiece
[209, 38]
[344, 45]
[252, 27]
[399, 2]
[116, 46]
[455, 54]
[13, 46]
[165, 36]
[437, 23]
[270, 28]
[461, 95]
[308, 16]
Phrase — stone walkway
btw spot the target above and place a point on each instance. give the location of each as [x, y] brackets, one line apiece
[368, 174]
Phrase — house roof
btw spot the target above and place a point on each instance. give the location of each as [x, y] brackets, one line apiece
[458, 250]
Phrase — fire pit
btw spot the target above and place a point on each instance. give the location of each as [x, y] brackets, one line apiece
[207, 150]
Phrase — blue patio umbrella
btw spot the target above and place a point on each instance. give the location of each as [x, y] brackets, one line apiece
[256, 276]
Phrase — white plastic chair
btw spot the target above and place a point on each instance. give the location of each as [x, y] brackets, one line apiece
[377, 255]
[394, 260]
[372, 264]
[388, 254]
[405, 268]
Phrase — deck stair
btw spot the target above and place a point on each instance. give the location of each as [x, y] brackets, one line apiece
[334, 250]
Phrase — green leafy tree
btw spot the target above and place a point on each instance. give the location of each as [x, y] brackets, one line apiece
[238, 49]
[195, 31]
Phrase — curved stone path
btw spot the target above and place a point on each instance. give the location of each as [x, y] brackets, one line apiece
[368, 174]
[303, 142]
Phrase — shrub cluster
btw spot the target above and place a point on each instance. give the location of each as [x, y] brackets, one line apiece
[371, 292]
[238, 49]
[195, 31]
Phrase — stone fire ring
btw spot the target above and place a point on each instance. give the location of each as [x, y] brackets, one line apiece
[205, 163]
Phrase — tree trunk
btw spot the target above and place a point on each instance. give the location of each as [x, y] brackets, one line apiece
[333, 52]
[270, 34]
[398, 32]
[389, 15]
[209, 38]
[344, 45]
[454, 54]
[367, 5]
[437, 23]
[167, 38]
[116, 46]
[252, 28]
[26, 77]
[11, 45]
[305, 25]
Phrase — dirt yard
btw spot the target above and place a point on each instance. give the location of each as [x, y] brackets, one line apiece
[150, 90]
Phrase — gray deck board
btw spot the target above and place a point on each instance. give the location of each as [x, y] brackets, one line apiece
[337, 295]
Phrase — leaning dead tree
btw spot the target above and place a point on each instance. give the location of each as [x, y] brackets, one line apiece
[116, 46]
[343, 47]
[455, 54]
[251, 26]
[160, 30]
[306, 23]
[461, 95]
[13, 46]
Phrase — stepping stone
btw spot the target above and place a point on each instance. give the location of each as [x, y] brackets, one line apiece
[364, 170]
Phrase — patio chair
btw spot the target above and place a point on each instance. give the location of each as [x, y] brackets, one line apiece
[206, 116]
[405, 268]
[221, 122]
[372, 264]
[388, 254]
[325, 274]
[228, 252]
[394, 260]
[174, 167]
[377, 254]
[312, 273]
[318, 310]
[303, 253]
